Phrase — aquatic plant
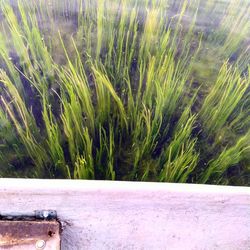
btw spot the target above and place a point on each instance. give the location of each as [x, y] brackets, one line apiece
[110, 90]
[223, 98]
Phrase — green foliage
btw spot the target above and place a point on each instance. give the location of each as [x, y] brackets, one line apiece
[181, 157]
[115, 91]
[228, 157]
[223, 98]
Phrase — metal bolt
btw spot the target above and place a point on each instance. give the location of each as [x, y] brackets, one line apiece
[40, 244]
[45, 214]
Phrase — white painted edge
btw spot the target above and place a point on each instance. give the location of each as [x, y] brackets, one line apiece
[38, 185]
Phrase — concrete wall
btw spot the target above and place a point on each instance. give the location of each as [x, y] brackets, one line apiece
[130, 215]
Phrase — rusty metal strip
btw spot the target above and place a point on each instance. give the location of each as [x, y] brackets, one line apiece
[29, 235]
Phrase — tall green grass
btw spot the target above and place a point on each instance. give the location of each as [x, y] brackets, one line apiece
[109, 90]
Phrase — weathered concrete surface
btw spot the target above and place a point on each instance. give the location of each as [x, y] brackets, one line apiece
[129, 215]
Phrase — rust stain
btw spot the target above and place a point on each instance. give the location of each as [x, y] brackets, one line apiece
[17, 233]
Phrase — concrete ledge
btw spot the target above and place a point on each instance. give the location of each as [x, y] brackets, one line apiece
[131, 215]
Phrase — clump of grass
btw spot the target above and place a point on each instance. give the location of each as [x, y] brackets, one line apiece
[121, 102]
[223, 98]
[24, 122]
[181, 156]
[234, 27]
[227, 158]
